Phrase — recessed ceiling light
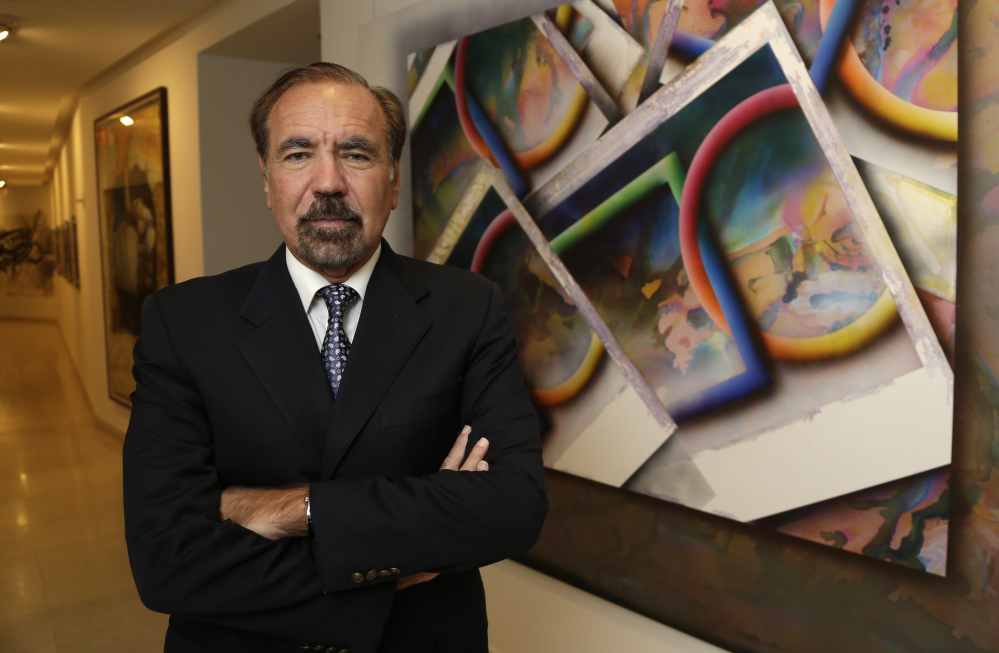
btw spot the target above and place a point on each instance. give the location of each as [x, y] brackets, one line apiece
[8, 24]
[125, 120]
[2, 183]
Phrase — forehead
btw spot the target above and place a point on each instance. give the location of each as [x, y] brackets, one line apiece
[336, 110]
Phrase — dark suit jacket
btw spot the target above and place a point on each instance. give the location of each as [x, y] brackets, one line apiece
[231, 390]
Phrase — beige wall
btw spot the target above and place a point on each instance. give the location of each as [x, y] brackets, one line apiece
[529, 612]
[66, 189]
[236, 226]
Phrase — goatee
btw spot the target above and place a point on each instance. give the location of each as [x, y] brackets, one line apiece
[330, 248]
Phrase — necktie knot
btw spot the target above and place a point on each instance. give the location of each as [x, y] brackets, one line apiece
[335, 345]
[337, 296]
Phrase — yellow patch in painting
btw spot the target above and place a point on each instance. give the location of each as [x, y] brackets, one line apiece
[651, 287]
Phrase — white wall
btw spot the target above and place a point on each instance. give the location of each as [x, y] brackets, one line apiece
[530, 612]
[65, 182]
[236, 226]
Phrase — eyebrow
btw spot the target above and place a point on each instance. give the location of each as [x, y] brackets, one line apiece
[294, 143]
[359, 143]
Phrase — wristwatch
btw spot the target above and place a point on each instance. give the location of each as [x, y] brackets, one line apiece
[308, 517]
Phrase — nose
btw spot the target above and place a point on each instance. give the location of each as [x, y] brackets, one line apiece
[328, 179]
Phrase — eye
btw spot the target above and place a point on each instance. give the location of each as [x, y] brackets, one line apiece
[297, 156]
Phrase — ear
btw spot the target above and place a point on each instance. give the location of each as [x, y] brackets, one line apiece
[395, 185]
[267, 181]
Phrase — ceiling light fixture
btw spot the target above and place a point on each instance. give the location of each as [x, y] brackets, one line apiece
[125, 120]
[2, 183]
[7, 26]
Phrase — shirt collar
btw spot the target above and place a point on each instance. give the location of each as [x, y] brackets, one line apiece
[308, 282]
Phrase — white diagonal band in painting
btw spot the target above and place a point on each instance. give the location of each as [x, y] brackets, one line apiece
[456, 224]
[657, 59]
[429, 81]
[578, 67]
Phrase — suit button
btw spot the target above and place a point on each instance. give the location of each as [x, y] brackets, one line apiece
[384, 573]
[307, 647]
[357, 578]
[372, 575]
[331, 649]
[344, 650]
[394, 571]
[319, 647]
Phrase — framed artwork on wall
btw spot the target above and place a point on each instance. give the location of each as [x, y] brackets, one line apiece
[133, 184]
[744, 285]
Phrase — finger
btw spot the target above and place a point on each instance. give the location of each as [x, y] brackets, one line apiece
[454, 456]
[476, 455]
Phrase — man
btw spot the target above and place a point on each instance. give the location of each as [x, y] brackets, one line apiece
[283, 481]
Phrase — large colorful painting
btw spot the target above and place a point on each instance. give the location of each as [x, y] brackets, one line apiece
[714, 254]
[134, 195]
[884, 76]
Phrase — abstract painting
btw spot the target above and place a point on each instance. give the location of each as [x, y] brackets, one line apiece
[719, 247]
[27, 255]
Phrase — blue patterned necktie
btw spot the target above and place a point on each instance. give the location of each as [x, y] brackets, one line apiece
[335, 344]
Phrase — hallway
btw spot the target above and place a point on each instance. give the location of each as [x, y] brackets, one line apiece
[65, 584]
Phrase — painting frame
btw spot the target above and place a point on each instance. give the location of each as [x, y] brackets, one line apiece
[131, 146]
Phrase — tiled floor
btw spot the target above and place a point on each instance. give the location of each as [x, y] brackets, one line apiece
[65, 585]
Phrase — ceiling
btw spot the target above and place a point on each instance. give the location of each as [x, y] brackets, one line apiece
[59, 49]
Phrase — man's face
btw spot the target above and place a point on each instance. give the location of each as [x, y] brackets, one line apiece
[329, 177]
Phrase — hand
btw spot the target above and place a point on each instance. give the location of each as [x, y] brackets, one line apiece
[271, 513]
[408, 581]
[474, 462]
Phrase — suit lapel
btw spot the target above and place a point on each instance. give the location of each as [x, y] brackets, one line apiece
[282, 352]
[390, 328]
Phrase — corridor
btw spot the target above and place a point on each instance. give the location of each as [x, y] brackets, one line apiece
[65, 584]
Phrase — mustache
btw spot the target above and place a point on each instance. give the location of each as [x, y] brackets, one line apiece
[324, 207]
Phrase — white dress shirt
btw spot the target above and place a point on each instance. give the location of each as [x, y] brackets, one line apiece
[308, 282]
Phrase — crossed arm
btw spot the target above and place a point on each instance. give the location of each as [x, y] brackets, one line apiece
[280, 512]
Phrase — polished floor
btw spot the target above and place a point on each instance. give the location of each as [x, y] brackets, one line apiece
[65, 585]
